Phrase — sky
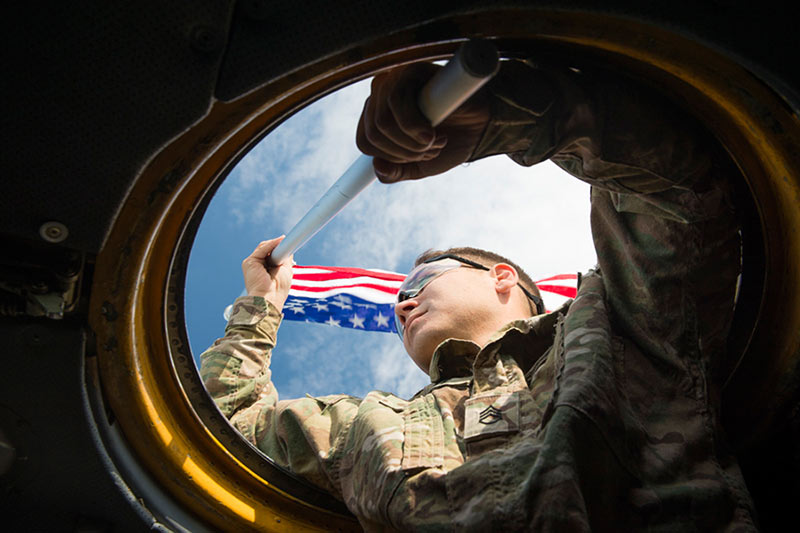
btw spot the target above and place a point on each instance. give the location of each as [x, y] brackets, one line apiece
[537, 216]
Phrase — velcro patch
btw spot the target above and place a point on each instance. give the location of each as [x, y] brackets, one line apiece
[491, 414]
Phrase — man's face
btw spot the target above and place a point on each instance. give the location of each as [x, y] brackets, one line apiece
[456, 304]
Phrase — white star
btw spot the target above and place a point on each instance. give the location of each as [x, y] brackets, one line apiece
[332, 322]
[342, 298]
[342, 305]
[297, 309]
[357, 321]
[382, 320]
[321, 307]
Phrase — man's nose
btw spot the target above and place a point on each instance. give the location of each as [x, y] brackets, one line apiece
[402, 309]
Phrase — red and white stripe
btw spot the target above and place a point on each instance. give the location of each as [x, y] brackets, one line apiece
[557, 289]
[377, 286]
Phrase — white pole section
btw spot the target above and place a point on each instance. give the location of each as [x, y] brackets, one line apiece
[468, 70]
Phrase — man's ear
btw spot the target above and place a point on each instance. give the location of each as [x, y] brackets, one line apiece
[506, 277]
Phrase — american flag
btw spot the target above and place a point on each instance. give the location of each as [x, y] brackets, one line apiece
[364, 298]
[347, 297]
[361, 298]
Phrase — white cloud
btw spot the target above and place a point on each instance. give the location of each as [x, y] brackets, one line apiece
[537, 216]
[326, 360]
[289, 171]
[393, 371]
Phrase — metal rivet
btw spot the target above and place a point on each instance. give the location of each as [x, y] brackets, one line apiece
[53, 231]
[39, 287]
[206, 39]
[108, 311]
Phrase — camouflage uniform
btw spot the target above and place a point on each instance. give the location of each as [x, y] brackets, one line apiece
[603, 414]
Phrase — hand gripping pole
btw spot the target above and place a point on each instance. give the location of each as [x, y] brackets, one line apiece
[468, 70]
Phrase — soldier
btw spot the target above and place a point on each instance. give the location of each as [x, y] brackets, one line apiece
[603, 414]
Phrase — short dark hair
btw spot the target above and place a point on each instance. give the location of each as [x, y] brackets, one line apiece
[485, 256]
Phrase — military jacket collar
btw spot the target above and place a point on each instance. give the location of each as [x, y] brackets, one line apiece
[525, 339]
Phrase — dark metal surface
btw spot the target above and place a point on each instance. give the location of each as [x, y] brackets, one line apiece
[57, 480]
[91, 90]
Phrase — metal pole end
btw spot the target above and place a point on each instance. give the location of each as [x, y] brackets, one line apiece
[479, 58]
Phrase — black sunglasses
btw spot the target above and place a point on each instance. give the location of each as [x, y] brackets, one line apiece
[535, 299]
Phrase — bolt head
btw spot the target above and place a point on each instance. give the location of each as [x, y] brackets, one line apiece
[53, 231]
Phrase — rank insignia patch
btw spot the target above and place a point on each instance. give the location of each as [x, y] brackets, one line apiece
[491, 414]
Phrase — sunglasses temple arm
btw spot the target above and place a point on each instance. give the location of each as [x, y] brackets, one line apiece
[471, 67]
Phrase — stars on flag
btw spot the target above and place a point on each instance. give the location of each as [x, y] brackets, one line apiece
[294, 307]
[342, 301]
[346, 297]
[382, 321]
[343, 311]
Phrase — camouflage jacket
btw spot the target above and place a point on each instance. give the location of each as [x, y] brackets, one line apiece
[602, 415]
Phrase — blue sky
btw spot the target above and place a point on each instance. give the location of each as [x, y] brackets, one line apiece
[538, 217]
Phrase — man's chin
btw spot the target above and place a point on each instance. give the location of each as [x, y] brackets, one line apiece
[421, 348]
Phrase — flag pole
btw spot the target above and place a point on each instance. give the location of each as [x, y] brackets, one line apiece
[473, 64]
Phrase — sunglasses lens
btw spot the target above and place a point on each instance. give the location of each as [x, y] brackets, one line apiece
[417, 279]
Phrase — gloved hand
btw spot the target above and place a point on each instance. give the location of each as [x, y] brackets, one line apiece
[404, 144]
